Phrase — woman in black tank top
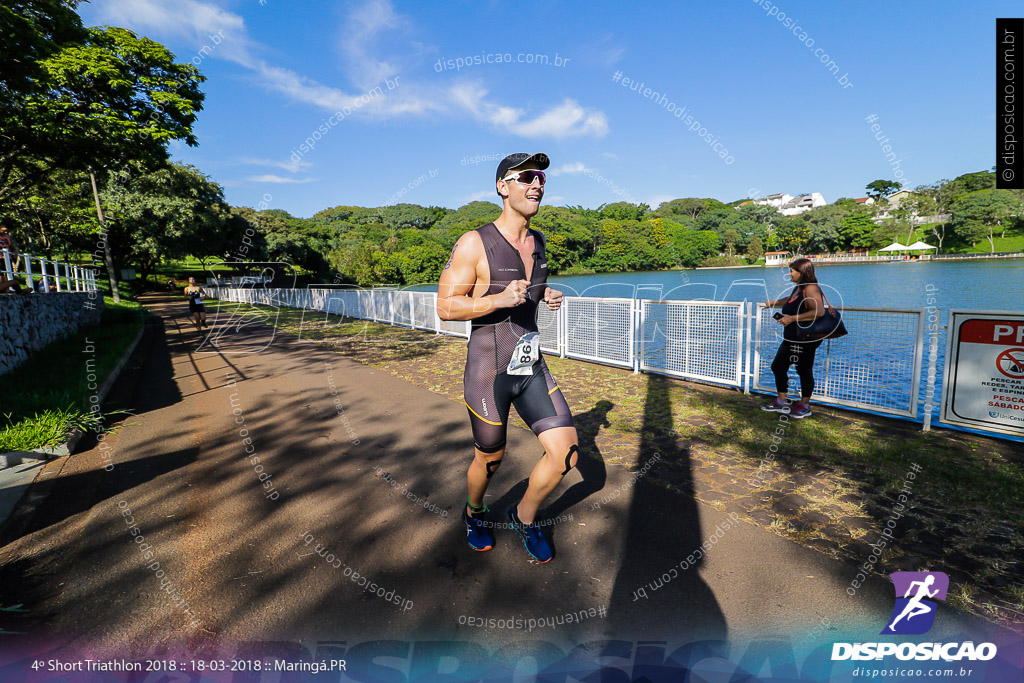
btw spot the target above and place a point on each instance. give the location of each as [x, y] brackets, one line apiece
[804, 304]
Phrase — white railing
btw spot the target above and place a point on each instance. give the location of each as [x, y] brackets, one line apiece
[75, 278]
[878, 368]
[700, 340]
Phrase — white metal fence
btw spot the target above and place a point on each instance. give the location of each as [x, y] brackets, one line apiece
[877, 368]
[73, 279]
[701, 340]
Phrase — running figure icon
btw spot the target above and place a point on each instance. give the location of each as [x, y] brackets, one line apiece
[917, 595]
[914, 607]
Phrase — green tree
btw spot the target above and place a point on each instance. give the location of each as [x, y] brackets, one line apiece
[974, 182]
[422, 263]
[692, 247]
[856, 230]
[755, 250]
[85, 99]
[979, 215]
[793, 234]
[569, 241]
[880, 189]
[824, 224]
[112, 97]
[624, 211]
[171, 212]
[730, 237]
[449, 229]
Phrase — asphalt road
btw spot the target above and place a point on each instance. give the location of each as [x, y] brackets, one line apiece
[241, 564]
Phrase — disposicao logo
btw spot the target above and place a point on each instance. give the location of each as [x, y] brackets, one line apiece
[914, 614]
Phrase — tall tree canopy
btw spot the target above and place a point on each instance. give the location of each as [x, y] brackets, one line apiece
[82, 99]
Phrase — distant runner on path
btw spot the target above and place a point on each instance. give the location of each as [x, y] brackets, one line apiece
[195, 296]
[496, 277]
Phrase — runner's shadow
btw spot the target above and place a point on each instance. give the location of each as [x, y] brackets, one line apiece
[660, 528]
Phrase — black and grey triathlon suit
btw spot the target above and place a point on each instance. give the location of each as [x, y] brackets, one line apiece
[488, 389]
[195, 302]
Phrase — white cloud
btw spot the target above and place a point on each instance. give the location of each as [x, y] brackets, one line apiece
[367, 25]
[657, 200]
[289, 165]
[271, 178]
[482, 196]
[569, 169]
[198, 22]
[610, 155]
[217, 33]
[568, 119]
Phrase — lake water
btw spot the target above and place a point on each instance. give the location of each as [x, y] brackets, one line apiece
[976, 285]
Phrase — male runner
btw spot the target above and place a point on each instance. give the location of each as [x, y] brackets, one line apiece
[496, 277]
[195, 303]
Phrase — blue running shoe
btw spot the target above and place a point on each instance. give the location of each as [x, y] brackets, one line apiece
[530, 533]
[478, 533]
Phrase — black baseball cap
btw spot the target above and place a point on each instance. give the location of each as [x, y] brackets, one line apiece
[514, 161]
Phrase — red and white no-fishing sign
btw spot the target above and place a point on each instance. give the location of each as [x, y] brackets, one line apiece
[984, 377]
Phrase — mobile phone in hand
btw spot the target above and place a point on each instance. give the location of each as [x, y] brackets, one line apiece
[777, 315]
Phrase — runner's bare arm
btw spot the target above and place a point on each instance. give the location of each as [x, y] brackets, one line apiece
[458, 278]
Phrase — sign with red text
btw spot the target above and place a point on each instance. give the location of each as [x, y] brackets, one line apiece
[984, 377]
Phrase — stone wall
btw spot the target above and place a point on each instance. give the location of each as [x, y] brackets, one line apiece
[31, 322]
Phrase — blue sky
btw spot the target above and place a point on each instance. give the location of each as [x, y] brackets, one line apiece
[278, 71]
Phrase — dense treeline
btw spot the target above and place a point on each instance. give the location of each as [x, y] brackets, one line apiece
[101, 105]
[408, 244]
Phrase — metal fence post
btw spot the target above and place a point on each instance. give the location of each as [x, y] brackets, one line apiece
[636, 320]
[437, 318]
[563, 328]
[28, 272]
[747, 370]
[46, 278]
[929, 391]
[8, 270]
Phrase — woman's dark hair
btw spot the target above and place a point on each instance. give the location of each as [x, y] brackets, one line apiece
[806, 270]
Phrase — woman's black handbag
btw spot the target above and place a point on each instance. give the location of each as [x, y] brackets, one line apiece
[828, 325]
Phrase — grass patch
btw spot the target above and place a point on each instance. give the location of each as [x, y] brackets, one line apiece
[47, 397]
[1010, 243]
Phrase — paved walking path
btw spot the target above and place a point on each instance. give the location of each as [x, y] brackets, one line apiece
[234, 555]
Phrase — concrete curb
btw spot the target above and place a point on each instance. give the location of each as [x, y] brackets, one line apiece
[68, 447]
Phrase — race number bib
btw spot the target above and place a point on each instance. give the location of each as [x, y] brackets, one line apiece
[526, 353]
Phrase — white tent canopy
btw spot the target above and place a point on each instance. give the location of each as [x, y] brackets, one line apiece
[895, 246]
[919, 246]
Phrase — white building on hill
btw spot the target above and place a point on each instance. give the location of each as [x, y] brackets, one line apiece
[788, 205]
[803, 203]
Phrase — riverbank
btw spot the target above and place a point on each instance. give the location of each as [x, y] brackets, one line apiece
[833, 482]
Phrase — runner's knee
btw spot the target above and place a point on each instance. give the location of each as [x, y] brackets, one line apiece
[491, 461]
[571, 457]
